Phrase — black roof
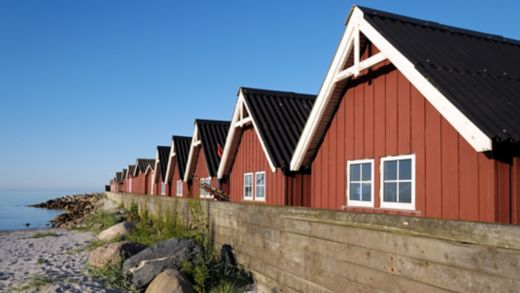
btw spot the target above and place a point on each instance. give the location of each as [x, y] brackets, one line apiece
[164, 155]
[479, 73]
[212, 133]
[280, 118]
[182, 150]
[119, 176]
[142, 164]
[131, 169]
[125, 172]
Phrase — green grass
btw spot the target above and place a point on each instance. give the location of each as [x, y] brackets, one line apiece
[44, 234]
[112, 277]
[35, 282]
[100, 221]
[41, 261]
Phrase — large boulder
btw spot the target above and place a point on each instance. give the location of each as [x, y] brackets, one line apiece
[167, 254]
[115, 232]
[110, 207]
[170, 281]
[113, 253]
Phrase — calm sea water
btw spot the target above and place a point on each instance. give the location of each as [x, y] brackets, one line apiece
[14, 212]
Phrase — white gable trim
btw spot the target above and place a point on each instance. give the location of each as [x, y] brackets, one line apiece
[171, 163]
[195, 141]
[467, 129]
[240, 121]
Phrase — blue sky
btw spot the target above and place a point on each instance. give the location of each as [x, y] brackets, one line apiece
[86, 87]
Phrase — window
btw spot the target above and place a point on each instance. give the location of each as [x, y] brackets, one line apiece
[203, 192]
[398, 182]
[248, 186]
[260, 186]
[179, 188]
[131, 185]
[360, 183]
[163, 188]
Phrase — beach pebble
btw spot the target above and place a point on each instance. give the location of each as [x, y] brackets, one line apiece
[169, 281]
[115, 232]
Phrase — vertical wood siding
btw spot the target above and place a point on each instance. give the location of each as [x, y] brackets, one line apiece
[201, 171]
[385, 115]
[250, 157]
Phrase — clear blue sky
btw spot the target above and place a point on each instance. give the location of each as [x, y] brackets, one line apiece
[87, 86]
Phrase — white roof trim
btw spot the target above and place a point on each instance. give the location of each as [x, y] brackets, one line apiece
[191, 154]
[238, 118]
[467, 129]
[171, 160]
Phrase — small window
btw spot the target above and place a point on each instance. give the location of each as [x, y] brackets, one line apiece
[203, 192]
[163, 188]
[260, 186]
[179, 188]
[248, 186]
[398, 182]
[360, 183]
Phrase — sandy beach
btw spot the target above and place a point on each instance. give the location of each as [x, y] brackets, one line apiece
[33, 262]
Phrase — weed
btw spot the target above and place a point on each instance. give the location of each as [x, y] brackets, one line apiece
[42, 261]
[101, 220]
[44, 234]
[112, 277]
[35, 282]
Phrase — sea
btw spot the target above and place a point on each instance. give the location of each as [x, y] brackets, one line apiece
[16, 215]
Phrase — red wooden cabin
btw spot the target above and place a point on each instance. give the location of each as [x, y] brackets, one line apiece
[141, 183]
[208, 140]
[264, 131]
[129, 178]
[180, 147]
[159, 176]
[416, 118]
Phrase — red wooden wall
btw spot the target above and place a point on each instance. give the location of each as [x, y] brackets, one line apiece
[201, 171]
[171, 187]
[279, 188]
[138, 184]
[385, 115]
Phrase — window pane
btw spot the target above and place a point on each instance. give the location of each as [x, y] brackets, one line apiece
[390, 192]
[405, 192]
[405, 169]
[366, 192]
[260, 179]
[355, 191]
[366, 170]
[390, 170]
[248, 191]
[260, 192]
[248, 179]
[354, 172]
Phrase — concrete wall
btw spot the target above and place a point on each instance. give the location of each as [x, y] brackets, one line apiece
[307, 250]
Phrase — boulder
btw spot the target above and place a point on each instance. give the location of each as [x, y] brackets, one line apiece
[113, 253]
[167, 254]
[110, 207]
[170, 281]
[115, 232]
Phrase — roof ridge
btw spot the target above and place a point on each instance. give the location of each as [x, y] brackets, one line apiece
[209, 121]
[440, 26]
[278, 93]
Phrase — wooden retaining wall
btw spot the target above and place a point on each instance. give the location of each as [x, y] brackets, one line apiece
[309, 250]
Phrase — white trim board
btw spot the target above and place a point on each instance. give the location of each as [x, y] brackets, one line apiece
[357, 24]
[237, 122]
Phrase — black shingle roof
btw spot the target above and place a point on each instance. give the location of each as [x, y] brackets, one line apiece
[131, 169]
[182, 150]
[479, 73]
[212, 133]
[164, 155]
[142, 164]
[280, 117]
[118, 177]
[123, 176]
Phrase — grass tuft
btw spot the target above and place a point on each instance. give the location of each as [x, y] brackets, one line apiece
[35, 282]
[101, 220]
[44, 234]
[112, 277]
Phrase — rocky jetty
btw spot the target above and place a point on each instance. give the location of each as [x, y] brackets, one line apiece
[76, 207]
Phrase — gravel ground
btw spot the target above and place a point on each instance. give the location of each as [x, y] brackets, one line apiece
[54, 263]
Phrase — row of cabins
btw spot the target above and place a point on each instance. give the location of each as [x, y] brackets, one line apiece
[413, 118]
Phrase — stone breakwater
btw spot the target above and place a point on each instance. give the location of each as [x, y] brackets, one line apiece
[76, 207]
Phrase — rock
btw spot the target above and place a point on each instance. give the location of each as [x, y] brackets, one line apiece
[110, 207]
[113, 253]
[169, 281]
[167, 254]
[116, 231]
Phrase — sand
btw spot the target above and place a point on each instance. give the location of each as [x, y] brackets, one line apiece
[46, 264]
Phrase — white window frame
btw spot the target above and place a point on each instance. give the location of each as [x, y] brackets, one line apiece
[131, 180]
[252, 186]
[178, 189]
[163, 188]
[360, 203]
[255, 186]
[397, 205]
[203, 193]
